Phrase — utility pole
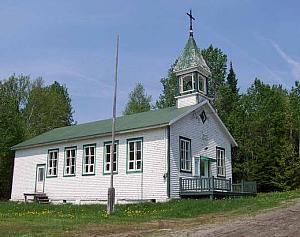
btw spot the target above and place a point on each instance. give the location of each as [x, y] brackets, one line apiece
[111, 189]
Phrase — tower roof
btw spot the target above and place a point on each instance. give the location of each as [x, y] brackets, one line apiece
[190, 57]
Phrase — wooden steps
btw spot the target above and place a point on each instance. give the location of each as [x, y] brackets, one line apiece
[42, 198]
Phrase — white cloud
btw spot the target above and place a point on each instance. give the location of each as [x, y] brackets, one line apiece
[273, 75]
[295, 65]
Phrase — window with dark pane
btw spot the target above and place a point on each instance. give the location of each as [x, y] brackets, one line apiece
[70, 157]
[187, 83]
[107, 162]
[135, 155]
[220, 156]
[185, 155]
[201, 84]
[203, 116]
[52, 163]
[89, 159]
[41, 175]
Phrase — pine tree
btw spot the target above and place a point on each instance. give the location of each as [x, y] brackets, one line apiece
[138, 101]
[232, 80]
[216, 60]
[227, 101]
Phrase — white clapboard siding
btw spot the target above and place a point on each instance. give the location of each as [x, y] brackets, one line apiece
[193, 128]
[187, 100]
[150, 184]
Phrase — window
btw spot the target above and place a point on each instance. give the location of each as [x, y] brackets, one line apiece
[220, 161]
[134, 149]
[52, 163]
[191, 82]
[41, 174]
[201, 83]
[70, 159]
[186, 83]
[185, 154]
[203, 116]
[107, 157]
[89, 153]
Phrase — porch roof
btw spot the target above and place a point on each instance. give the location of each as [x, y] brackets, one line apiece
[206, 158]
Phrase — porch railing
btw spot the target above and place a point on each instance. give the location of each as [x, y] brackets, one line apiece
[215, 184]
[244, 187]
[204, 184]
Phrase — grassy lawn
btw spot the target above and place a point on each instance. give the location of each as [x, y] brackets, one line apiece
[19, 219]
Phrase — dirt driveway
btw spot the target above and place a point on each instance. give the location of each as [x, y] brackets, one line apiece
[278, 222]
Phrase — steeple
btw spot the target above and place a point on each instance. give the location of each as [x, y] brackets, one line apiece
[191, 58]
[192, 73]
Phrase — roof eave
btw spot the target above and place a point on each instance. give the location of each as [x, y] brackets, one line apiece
[16, 147]
[198, 68]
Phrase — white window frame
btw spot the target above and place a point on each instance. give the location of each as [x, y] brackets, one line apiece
[185, 154]
[220, 157]
[89, 159]
[136, 161]
[181, 83]
[72, 161]
[202, 78]
[108, 155]
[52, 163]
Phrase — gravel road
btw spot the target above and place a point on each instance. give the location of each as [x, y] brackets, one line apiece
[278, 222]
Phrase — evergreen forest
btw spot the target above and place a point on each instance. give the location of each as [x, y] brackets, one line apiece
[264, 120]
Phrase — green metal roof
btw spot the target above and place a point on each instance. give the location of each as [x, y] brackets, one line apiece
[206, 158]
[123, 123]
[190, 57]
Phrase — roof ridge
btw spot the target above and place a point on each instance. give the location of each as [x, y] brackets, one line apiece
[118, 117]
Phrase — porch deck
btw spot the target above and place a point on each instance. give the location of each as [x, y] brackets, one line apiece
[215, 187]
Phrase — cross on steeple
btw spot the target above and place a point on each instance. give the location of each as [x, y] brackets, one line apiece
[191, 22]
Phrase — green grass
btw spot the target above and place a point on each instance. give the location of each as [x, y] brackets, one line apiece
[19, 219]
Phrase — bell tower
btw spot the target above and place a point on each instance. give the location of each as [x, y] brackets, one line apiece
[192, 73]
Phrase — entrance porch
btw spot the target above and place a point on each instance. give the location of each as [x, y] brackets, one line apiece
[215, 187]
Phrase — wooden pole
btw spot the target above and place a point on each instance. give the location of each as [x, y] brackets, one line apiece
[111, 190]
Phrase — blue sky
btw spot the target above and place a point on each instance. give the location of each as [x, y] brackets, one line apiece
[73, 42]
